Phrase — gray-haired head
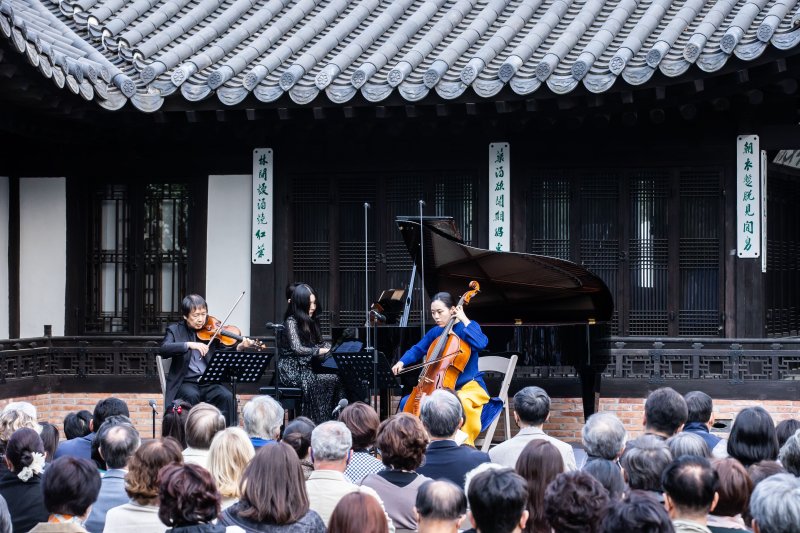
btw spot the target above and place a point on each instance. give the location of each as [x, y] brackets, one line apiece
[684, 443]
[604, 436]
[789, 456]
[263, 417]
[331, 442]
[775, 504]
[441, 413]
[118, 442]
[644, 460]
[440, 500]
[25, 407]
[532, 405]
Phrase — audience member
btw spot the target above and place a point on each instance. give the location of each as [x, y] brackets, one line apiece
[538, 464]
[5, 517]
[789, 454]
[761, 470]
[358, 512]
[118, 442]
[575, 502]
[690, 493]
[49, 436]
[785, 429]
[273, 497]
[10, 421]
[188, 499]
[363, 422]
[203, 422]
[230, 452]
[114, 420]
[643, 462]
[700, 418]
[263, 418]
[20, 483]
[402, 441]
[531, 411]
[25, 407]
[603, 437]
[297, 434]
[609, 474]
[775, 505]
[442, 415]
[733, 490]
[174, 422]
[684, 443]
[480, 469]
[331, 445]
[76, 424]
[82, 446]
[69, 488]
[665, 413]
[440, 507]
[638, 513]
[753, 437]
[141, 484]
[497, 501]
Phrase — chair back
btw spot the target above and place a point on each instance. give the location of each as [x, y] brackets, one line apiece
[505, 366]
[162, 366]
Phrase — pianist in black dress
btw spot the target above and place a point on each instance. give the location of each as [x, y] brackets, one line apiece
[301, 342]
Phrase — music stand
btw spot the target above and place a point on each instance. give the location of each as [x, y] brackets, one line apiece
[359, 370]
[235, 367]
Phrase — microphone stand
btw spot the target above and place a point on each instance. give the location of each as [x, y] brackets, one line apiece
[277, 328]
[422, 276]
[371, 337]
[154, 412]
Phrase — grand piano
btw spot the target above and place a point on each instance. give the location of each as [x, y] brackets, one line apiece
[545, 309]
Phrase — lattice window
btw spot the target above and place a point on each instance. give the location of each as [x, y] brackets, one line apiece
[783, 256]
[548, 214]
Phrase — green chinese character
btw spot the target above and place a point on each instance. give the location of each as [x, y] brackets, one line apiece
[748, 195]
[260, 251]
[500, 157]
[262, 189]
[499, 216]
[748, 211]
[499, 186]
[747, 244]
[748, 180]
[262, 174]
[498, 232]
[262, 160]
[262, 204]
[260, 234]
[748, 148]
[748, 227]
[500, 201]
[748, 164]
[498, 172]
[261, 218]
[499, 247]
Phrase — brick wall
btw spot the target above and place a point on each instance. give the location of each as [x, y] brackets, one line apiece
[566, 416]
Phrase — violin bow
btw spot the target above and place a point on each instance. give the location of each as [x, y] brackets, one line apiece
[222, 324]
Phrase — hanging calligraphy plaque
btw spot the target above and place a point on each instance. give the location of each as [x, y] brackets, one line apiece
[748, 196]
[499, 197]
[263, 190]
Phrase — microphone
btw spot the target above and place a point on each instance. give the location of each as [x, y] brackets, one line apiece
[342, 404]
[378, 316]
[422, 203]
[272, 325]
[153, 406]
[366, 205]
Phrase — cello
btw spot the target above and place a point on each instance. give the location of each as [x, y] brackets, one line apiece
[446, 359]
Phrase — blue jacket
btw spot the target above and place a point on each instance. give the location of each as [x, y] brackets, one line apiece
[77, 447]
[701, 430]
[444, 459]
[112, 494]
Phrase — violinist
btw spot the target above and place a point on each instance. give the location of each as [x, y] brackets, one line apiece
[470, 387]
[190, 359]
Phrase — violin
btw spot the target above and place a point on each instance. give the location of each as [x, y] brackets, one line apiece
[229, 335]
[444, 362]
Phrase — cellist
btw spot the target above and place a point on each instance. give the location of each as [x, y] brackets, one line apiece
[470, 386]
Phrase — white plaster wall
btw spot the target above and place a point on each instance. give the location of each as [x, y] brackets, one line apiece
[4, 221]
[229, 223]
[42, 255]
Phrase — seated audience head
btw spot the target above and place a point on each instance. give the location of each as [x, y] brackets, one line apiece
[363, 422]
[117, 442]
[263, 417]
[441, 414]
[539, 463]
[49, 436]
[775, 505]
[76, 424]
[753, 437]
[575, 502]
[106, 408]
[273, 487]
[331, 443]
[174, 422]
[358, 512]
[665, 412]
[440, 505]
[531, 406]
[699, 407]
[761, 470]
[113, 420]
[497, 501]
[690, 488]
[186, 496]
[609, 474]
[604, 436]
[25, 454]
[25, 407]
[480, 469]
[789, 455]
[785, 429]
[640, 512]
[11, 420]
[297, 434]
[402, 441]
[684, 443]
[230, 453]
[644, 460]
[141, 482]
[70, 486]
[733, 488]
[203, 422]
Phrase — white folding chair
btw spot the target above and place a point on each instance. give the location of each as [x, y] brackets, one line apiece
[505, 366]
[162, 366]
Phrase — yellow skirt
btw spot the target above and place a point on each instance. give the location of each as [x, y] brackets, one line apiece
[473, 398]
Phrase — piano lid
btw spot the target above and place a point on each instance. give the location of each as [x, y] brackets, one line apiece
[516, 288]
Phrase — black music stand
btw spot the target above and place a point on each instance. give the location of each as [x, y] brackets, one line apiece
[360, 371]
[235, 367]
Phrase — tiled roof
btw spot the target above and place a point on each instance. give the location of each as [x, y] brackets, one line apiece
[146, 50]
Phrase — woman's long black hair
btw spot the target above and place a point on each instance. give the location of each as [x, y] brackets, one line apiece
[310, 331]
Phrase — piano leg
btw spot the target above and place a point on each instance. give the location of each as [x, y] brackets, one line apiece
[590, 389]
